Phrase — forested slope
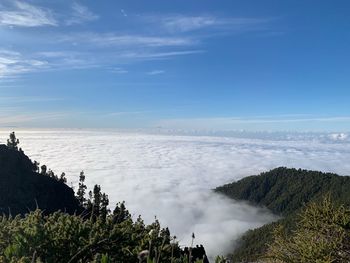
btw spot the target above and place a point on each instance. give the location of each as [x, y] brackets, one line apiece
[23, 189]
[284, 191]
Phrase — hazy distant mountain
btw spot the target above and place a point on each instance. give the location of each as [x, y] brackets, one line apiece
[284, 191]
[22, 189]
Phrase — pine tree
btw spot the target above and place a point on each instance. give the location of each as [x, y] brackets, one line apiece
[81, 189]
[43, 170]
[89, 203]
[13, 142]
[36, 166]
[51, 174]
[120, 213]
[104, 207]
[97, 200]
[63, 178]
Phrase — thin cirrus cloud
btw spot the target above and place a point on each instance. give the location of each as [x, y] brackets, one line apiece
[85, 49]
[14, 63]
[113, 39]
[26, 15]
[185, 23]
[22, 14]
[123, 12]
[152, 55]
[188, 23]
[80, 60]
[123, 113]
[156, 72]
[69, 59]
[81, 14]
[20, 119]
[126, 48]
[27, 99]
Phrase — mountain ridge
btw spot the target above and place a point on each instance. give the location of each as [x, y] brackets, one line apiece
[23, 189]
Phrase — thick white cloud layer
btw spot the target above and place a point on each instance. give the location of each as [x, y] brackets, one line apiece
[170, 176]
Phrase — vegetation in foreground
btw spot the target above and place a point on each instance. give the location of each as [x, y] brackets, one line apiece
[285, 192]
[322, 235]
[60, 237]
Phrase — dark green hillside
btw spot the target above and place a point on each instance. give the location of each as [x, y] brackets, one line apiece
[23, 189]
[284, 191]
[253, 244]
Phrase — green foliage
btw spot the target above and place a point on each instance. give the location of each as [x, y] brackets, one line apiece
[253, 244]
[60, 237]
[285, 192]
[220, 259]
[81, 189]
[322, 235]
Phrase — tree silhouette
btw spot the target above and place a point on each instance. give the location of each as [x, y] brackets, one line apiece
[13, 142]
[36, 166]
[43, 170]
[97, 200]
[63, 178]
[81, 189]
[104, 207]
[51, 174]
[120, 213]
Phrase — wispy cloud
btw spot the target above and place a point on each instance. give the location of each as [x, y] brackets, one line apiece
[123, 113]
[70, 49]
[155, 72]
[8, 109]
[14, 63]
[81, 14]
[188, 23]
[122, 11]
[7, 119]
[185, 23]
[26, 15]
[113, 39]
[25, 99]
[159, 55]
[124, 48]
[68, 59]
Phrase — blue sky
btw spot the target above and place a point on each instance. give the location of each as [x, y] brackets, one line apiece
[186, 64]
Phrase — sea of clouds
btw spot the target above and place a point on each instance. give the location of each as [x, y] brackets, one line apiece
[171, 176]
